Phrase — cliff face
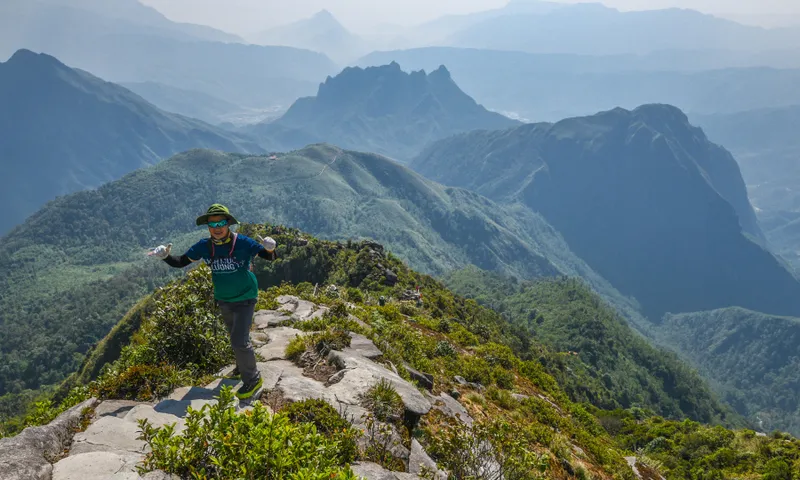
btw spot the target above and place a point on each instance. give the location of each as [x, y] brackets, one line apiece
[641, 195]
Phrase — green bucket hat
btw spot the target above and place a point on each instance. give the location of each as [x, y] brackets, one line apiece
[216, 209]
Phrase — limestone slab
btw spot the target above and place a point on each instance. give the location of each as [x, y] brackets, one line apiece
[451, 407]
[97, 466]
[269, 318]
[115, 408]
[109, 434]
[363, 373]
[279, 338]
[27, 455]
[363, 346]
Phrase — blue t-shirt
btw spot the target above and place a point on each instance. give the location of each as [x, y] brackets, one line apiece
[233, 281]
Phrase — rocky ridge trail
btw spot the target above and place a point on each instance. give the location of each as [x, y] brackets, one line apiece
[109, 448]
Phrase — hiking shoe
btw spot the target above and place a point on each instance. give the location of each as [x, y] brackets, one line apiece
[247, 391]
[234, 375]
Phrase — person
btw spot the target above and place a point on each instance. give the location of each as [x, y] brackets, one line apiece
[229, 256]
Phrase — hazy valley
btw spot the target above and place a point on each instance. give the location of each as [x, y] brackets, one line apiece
[606, 232]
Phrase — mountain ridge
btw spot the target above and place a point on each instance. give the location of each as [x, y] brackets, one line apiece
[380, 109]
[359, 195]
[96, 130]
[321, 32]
[572, 28]
[618, 151]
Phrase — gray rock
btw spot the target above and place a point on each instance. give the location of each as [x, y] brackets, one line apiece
[279, 339]
[424, 379]
[373, 471]
[283, 300]
[363, 373]
[269, 318]
[114, 408]
[391, 277]
[109, 434]
[97, 466]
[28, 455]
[451, 407]
[462, 381]
[304, 310]
[295, 387]
[159, 418]
[363, 346]
[319, 312]
[419, 458]
[519, 397]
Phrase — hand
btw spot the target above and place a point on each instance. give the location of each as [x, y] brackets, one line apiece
[161, 251]
[268, 243]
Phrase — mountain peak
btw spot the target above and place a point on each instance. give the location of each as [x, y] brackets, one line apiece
[441, 73]
[324, 14]
[377, 109]
[25, 56]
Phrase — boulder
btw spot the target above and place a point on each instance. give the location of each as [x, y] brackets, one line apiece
[28, 455]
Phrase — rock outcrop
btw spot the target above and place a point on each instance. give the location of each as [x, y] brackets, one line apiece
[109, 447]
[29, 455]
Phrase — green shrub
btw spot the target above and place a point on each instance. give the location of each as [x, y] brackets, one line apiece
[219, 443]
[444, 349]
[355, 295]
[142, 382]
[328, 422]
[465, 451]
[503, 378]
[383, 400]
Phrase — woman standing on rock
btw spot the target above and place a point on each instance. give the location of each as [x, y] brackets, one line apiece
[235, 286]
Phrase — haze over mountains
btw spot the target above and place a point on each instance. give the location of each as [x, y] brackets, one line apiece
[321, 33]
[541, 147]
[146, 47]
[380, 109]
[65, 130]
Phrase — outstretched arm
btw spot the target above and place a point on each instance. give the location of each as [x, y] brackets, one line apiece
[162, 252]
[268, 252]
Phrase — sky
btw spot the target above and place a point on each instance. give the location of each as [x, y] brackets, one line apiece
[248, 16]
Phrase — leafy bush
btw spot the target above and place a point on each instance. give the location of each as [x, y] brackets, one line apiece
[143, 382]
[489, 450]
[328, 422]
[219, 443]
[384, 402]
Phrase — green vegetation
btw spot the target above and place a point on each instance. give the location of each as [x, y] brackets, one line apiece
[760, 378]
[600, 359]
[536, 429]
[689, 450]
[219, 443]
[64, 289]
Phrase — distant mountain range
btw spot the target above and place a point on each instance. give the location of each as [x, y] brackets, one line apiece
[143, 46]
[35, 24]
[66, 130]
[641, 195]
[190, 103]
[380, 109]
[321, 33]
[545, 87]
[592, 28]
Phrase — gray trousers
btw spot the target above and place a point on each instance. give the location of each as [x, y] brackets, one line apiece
[238, 317]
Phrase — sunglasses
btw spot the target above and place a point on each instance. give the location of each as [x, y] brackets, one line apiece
[219, 224]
